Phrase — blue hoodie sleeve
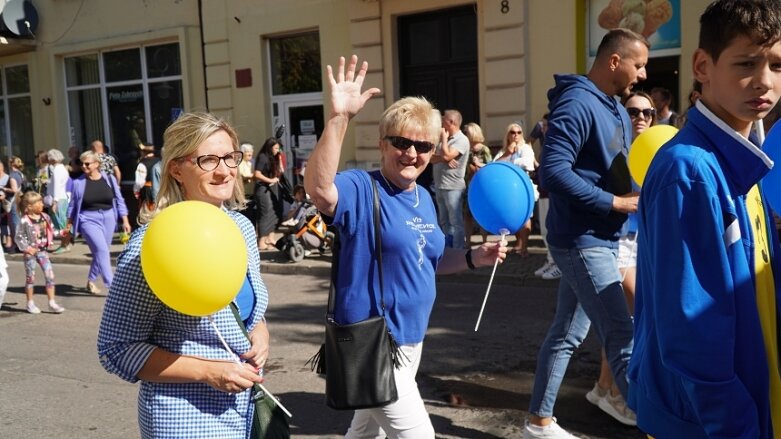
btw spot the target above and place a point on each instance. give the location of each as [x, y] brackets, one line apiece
[693, 296]
[569, 128]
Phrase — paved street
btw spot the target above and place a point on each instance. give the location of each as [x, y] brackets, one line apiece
[476, 385]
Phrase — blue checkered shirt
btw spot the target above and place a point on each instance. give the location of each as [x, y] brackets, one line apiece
[135, 322]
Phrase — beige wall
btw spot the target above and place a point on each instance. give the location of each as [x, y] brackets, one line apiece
[518, 52]
[67, 28]
[553, 31]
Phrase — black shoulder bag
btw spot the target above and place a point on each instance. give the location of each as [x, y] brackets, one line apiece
[358, 359]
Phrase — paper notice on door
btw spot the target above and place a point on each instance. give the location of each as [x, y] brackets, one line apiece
[307, 141]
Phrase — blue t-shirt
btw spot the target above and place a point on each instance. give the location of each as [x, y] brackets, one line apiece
[412, 245]
[245, 300]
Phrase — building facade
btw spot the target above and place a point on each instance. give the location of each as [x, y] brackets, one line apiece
[121, 70]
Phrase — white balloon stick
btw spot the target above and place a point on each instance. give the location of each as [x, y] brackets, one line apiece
[238, 361]
[504, 233]
[761, 131]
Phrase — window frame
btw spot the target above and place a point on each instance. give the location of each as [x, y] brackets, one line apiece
[145, 81]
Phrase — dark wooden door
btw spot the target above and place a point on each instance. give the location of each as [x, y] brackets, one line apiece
[438, 59]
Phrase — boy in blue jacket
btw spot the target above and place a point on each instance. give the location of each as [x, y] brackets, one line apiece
[706, 354]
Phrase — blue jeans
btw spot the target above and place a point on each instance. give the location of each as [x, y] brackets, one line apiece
[589, 291]
[451, 214]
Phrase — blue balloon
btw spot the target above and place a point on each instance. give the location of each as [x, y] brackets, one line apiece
[771, 184]
[501, 196]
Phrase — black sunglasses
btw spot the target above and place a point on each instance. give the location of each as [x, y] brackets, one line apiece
[403, 144]
[647, 112]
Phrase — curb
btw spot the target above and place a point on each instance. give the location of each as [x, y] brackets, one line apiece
[514, 272]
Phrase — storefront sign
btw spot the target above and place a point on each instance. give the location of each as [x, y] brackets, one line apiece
[657, 20]
[126, 96]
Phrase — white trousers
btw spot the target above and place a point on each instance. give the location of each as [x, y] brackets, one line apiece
[404, 419]
[3, 284]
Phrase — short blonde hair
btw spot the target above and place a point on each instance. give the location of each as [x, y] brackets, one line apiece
[411, 113]
[181, 139]
[88, 154]
[474, 133]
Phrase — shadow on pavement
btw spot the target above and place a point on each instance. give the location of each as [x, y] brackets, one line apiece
[316, 420]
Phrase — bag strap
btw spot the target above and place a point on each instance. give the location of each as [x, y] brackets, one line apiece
[335, 250]
[257, 392]
[236, 314]
[378, 241]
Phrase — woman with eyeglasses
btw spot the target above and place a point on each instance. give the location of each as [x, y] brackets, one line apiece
[267, 173]
[95, 205]
[412, 244]
[516, 151]
[190, 387]
[605, 393]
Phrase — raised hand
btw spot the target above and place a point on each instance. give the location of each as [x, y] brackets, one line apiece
[346, 97]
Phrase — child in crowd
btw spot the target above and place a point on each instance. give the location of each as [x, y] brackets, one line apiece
[33, 237]
[706, 354]
[297, 210]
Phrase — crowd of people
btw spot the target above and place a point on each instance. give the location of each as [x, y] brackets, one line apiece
[678, 278]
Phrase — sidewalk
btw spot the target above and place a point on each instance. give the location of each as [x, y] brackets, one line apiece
[515, 270]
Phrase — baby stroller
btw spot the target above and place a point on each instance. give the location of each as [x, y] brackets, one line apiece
[309, 233]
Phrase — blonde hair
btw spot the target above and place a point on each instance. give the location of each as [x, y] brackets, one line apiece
[411, 113]
[88, 154]
[27, 199]
[474, 133]
[15, 162]
[181, 139]
[506, 141]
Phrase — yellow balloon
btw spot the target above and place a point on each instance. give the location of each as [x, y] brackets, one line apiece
[644, 149]
[194, 258]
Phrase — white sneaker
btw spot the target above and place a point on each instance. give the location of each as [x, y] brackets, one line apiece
[553, 273]
[32, 309]
[55, 308]
[550, 431]
[545, 267]
[596, 394]
[616, 407]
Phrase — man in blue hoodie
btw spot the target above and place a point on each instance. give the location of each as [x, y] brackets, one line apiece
[584, 169]
[706, 359]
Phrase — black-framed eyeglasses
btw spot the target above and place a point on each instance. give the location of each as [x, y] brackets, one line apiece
[209, 162]
[635, 112]
[403, 144]
[86, 163]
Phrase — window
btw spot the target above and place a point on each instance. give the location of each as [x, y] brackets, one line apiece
[124, 97]
[16, 127]
[295, 64]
